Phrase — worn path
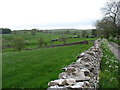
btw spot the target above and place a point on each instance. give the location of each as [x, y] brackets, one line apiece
[115, 48]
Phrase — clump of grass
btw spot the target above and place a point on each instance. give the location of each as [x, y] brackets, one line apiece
[109, 76]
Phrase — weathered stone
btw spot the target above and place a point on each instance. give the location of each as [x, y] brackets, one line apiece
[79, 76]
[86, 71]
[78, 85]
[85, 59]
[57, 82]
[91, 74]
[91, 53]
[70, 81]
[63, 75]
[78, 61]
[52, 83]
[87, 64]
[81, 55]
[70, 69]
[87, 78]
[86, 83]
[56, 87]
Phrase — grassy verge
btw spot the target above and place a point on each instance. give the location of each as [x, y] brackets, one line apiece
[115, 41]
[109, 74]
[34, 69]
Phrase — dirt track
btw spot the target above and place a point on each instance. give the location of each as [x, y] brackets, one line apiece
[115, 48]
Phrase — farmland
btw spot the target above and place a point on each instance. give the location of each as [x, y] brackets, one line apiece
[46, 44]
[38, 66]
[35, 68]
[32, 40]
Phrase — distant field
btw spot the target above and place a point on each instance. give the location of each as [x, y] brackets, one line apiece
[28, 36]
[33, 39]
[34, 69]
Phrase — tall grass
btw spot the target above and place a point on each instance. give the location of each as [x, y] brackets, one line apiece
[109, 74]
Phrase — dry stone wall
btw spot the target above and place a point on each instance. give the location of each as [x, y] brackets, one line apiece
[84, 73]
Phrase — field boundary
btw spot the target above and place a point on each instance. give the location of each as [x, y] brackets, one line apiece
[84, 73]
[68, 44]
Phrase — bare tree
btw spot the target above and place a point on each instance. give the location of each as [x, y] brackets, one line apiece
[110, 24]
[112, 14]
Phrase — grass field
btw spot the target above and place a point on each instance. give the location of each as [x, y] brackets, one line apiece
[34, 69]
[109, 74]
[33, 40]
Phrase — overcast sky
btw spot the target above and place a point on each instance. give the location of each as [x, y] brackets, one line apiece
[48, 14]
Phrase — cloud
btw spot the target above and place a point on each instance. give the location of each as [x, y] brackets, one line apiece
[22, 13]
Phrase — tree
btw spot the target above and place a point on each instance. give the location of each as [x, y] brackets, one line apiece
[112, 10]
[5, 31]
[67, 32]
[94, 33]
[33, 32]
[63, 39]
[84, 34]
[104, 26]
[41, 42]
[75, 32]
[18, 43]
[112, 14]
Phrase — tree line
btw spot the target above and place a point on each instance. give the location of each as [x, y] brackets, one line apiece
[5, 31]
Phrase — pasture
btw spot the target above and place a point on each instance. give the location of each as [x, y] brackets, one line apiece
[34, 69]
[32, 40]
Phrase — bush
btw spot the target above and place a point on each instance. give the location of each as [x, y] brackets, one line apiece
[33, 32]
[63, 39]
[18, 43]
[40, 42]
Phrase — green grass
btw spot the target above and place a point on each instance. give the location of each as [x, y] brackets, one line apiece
[33, 40]
[30, 37]
[109, 76]
[34, 69]
[116, 41]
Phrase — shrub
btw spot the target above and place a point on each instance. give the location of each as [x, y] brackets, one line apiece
[40, 42]
[63, 39]
[18, 43]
